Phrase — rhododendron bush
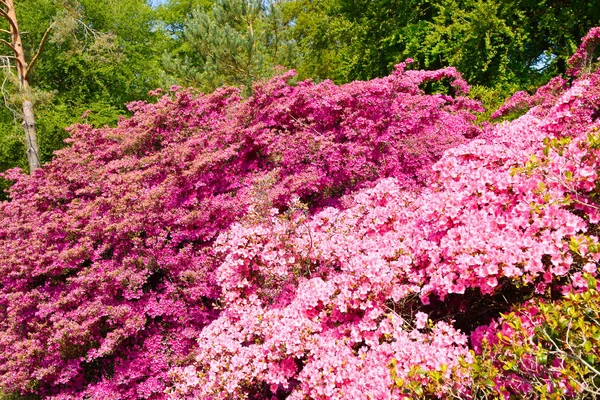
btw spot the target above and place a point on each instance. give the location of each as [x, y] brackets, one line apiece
[108, 267]
[312, 241]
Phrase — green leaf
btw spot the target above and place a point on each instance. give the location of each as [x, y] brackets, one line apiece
[542, 358]
[418, 390]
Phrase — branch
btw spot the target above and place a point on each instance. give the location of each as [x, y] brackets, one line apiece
[4, 31]
[39, 50]
[9, 44]
[571, 354]
[7, 57]
[7, 17]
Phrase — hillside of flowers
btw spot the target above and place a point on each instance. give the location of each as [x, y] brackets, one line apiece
[313, 241]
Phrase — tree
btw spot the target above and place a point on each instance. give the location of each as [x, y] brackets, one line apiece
[554, 30]
[320, 33]
[377, 35]
[23, 71]
[174, 13]
[483, 39]
[236, 43]
[496, 44]
[99, 56]
[346, 40]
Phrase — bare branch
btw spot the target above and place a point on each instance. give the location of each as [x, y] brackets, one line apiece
[4, 31]
[7, 57]
[39, 50]
[9, 44]
[5, 63]
[7, 17]
[88, 31]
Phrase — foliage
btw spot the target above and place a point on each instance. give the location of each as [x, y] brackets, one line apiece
[505, 45]
[99, 51]
[99, 56]
[368, 240]
[480, 38]
[236, 43]
[118, 275]
[103, 54]
[349, 40]
[172, 16]
[542, 349]
[320, 32]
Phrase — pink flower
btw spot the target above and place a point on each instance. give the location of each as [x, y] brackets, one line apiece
[590, 268]
[421, 320]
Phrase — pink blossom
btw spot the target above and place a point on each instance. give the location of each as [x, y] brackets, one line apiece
[283, 245]
[421, 320]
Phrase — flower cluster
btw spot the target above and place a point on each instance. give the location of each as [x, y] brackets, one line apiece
[334, 305]
[313, 241]
[583, 57]
[108, 271]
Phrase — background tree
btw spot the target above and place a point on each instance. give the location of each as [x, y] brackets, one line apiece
[235, 43]
[320, 33]
[500, 46]
[99, 56]
[495, 44]
[347, 40]
[480, 38]
[504, 43]
[171, 16]
[23, 69]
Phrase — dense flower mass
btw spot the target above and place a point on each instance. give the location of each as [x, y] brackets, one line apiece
[108, 271]
[325, 306]
[312, 241]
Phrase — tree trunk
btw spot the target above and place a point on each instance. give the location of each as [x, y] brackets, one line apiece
[30, 136]
[22, 74]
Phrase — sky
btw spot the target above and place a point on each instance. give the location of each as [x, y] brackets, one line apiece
[156, 3]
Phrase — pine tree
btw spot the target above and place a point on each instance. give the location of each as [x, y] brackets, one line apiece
[236, 43]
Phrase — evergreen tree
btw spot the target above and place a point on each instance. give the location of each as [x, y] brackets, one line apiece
[235, 43]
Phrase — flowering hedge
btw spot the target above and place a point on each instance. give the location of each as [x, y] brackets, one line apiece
[108, 270]
[363, 302]
[312, 241]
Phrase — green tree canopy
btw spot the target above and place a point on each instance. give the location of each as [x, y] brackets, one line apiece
[99, 56]
[494, 43]
[236, 42]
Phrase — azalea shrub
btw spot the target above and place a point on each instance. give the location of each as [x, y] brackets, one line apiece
[365, 301]
[542, 349]
[109, 268]
[312, 241]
